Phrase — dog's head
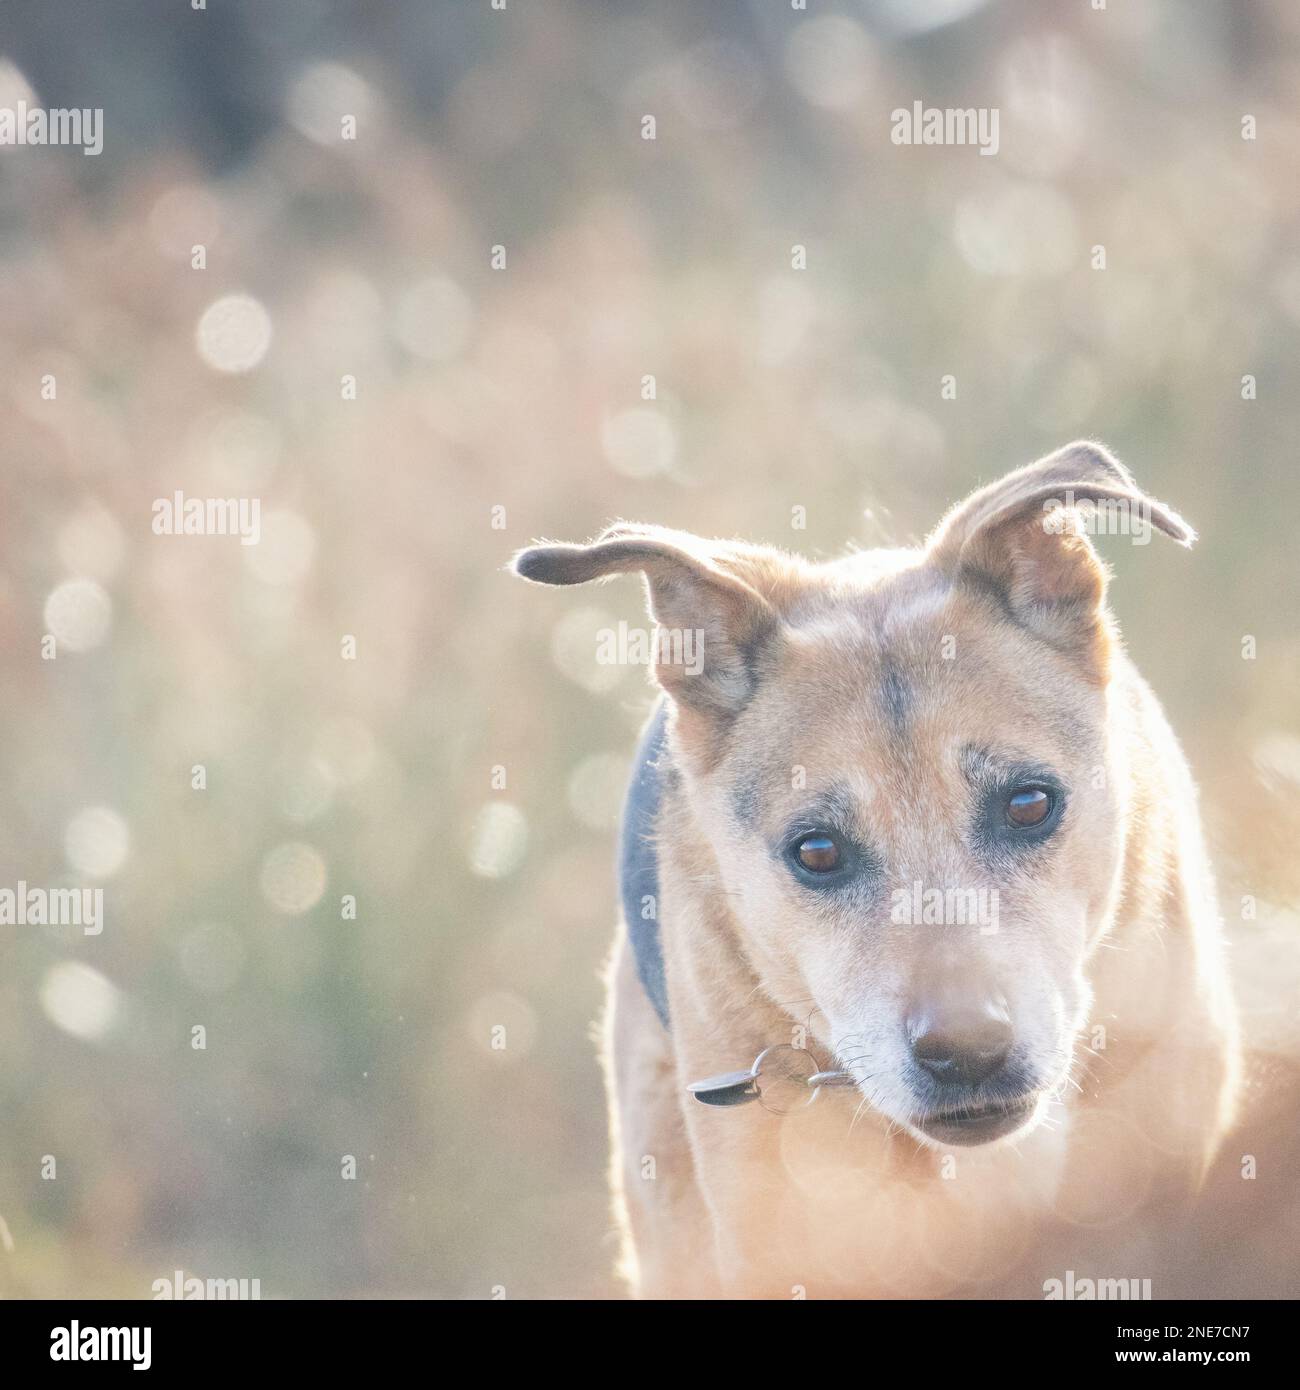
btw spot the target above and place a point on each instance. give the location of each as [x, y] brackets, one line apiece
[904, 770]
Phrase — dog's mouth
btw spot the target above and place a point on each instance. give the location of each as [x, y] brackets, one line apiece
[968, 1125]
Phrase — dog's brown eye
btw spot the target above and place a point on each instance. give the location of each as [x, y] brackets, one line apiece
[819, 854]
[1031, 806]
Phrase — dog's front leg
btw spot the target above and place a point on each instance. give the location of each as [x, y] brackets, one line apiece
[738, 1166]
[803, 1205]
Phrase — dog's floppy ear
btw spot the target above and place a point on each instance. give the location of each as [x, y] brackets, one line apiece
[712, 624]
[1024, 540]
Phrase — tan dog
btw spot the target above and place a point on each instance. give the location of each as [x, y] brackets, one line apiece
[915, 811]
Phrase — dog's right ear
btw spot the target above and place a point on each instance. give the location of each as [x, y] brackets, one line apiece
[700, 608]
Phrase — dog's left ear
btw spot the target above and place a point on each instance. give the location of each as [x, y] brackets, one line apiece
[1024, 540]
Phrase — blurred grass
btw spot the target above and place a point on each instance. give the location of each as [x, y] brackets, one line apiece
[522, 389]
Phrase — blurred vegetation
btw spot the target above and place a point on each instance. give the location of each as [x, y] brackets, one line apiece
[481, 906]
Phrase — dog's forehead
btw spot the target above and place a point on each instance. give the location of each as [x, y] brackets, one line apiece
[886, 632]
[886, 594]
[889, 683]
[897, 637]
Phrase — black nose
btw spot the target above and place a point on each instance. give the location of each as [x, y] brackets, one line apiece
[960, 1043]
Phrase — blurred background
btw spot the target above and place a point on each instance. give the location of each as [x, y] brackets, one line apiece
[277, 281]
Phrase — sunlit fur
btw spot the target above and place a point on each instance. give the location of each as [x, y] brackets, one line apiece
[878, 674]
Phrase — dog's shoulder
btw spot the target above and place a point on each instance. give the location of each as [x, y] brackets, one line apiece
[638, 860]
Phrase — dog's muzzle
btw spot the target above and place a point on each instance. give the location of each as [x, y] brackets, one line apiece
[977, 1124]
[960, 1043]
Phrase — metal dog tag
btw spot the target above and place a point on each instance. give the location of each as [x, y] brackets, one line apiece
[731, 1088]
[783, 1079]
